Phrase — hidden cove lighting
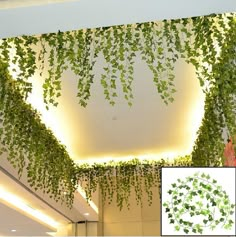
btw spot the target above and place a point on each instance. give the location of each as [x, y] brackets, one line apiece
[18, 203]
[155, 157]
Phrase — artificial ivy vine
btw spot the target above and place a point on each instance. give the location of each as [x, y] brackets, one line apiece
[32, 148]
[220, 105]
[160, 44]
[116, 180]
[207, 42]
[199, 196]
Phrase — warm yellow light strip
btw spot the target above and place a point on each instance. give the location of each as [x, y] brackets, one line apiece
[91, 203]
[159, 156]
[20, 204]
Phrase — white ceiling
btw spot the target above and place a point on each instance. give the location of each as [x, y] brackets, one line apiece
[37, 201]
[71, 15]
[148, 128]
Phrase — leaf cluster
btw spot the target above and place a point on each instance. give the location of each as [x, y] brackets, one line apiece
[116, 180]
[31, 147]
[220, 102]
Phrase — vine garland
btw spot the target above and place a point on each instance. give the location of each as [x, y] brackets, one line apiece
[119, 179]
[199, 196]
[160, 44]
[32, 148]
[28, 143]
[220, 106]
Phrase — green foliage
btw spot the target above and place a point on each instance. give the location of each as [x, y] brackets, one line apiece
[160, 44]
[207, 42]
[119, 179]
[32, 148]
[209, 145]
[198, 196]
[220, 104]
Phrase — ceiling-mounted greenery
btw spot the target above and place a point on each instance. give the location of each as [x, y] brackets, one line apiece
[32, 148]
[116, 180]
[159, 43]
[207, 42]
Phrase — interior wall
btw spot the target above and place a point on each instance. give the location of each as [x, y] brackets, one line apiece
[136, 221]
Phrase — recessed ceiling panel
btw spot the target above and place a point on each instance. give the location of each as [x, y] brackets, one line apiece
[147, 129]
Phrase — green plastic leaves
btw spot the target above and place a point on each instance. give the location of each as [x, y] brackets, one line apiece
[198, 203]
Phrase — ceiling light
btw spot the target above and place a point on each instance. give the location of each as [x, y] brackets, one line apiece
[86, 214]
[17, 203]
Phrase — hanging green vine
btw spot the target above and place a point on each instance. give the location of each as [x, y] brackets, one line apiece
[207, 42]
[32, 148]
[118, 179]
[220, 105]
[159, 43]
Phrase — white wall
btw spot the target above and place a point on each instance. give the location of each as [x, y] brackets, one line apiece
[137, 221]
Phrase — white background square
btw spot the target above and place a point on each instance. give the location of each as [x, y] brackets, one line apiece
[225, 177]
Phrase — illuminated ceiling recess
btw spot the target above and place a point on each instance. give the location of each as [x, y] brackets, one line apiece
[147, 130]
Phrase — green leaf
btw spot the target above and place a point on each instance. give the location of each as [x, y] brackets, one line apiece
[177, 228]
[186, 231]
[173, 185]
[205, 221]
